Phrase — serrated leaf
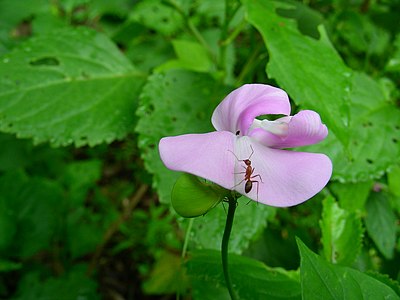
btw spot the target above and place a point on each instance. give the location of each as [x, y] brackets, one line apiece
[321, 280]
[385, 279]
[381, 223]
[250, 219]
[68, 86]
[192, 198]
[341, 233]
[172, 103]
[310, 70]
[251, 279]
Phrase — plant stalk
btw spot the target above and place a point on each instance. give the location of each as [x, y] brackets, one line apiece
[224, 246]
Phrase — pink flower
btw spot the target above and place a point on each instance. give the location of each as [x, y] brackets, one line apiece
[276, 177]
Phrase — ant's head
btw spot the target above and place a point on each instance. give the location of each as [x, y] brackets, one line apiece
[247, 162]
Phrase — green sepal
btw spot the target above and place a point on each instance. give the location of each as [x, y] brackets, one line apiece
[192, 197]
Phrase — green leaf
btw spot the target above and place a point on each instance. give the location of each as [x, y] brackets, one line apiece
[7, 266]
[341, 233]
[250, 220]
[158, 16]
[79, 177]
[321, 280]
[172, 103]
[352, 196]
[68, 86]
[361, 34]
[193, 198]
[191, 56]
[167, 277]
[381, 223]
[73, 285]
[394, 181]
[393, 64]
[385, 279]
[84, 232]
[8, 226]
[13, 12]
[373, 118]
[251, 279]
[36, 207]
[310, 70]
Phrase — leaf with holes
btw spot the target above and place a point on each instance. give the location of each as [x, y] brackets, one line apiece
[374, 135]
[310, 70]
[70, 86]
[173, 103]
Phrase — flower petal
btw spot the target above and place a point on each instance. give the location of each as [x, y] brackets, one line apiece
[280, 178]
[304, 128]
[205, 155]
[238, 110]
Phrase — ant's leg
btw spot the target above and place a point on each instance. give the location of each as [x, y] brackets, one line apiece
[255, 181]
[237, 184]
[259, 176]
[242, 172]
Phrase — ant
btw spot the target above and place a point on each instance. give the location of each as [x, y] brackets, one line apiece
[248, 173]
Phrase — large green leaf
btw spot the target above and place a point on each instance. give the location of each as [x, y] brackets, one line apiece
[251, 279]
[341, 233]
[353, 105]
[310, 70]
[68, 86]
[374, 134]
[321, 280]
[381, 223]
[173, 103]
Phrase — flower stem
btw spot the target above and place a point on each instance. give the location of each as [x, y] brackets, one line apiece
[224, 246]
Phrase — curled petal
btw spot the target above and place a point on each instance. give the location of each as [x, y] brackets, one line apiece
[238, 110]
[304, 128]
[205, 155]
[280, 178]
